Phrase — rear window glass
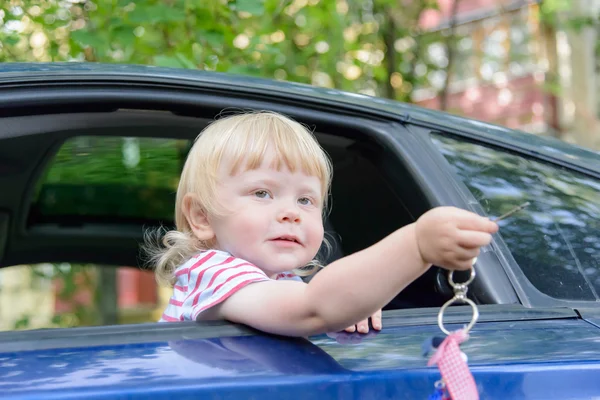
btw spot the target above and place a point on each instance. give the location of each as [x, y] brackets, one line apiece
[103, 178]
[555, 240]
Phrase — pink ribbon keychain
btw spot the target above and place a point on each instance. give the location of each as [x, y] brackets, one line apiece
[457, 379]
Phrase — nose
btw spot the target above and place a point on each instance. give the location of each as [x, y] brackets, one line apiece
[288, 213]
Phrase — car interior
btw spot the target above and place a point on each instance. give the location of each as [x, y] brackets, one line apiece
[372, 193]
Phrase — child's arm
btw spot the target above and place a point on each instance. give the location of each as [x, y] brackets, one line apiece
[354, 287]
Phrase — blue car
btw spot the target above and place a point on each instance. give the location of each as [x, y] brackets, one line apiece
[536, 290]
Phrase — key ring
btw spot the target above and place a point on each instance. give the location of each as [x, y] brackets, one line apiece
[460, 296]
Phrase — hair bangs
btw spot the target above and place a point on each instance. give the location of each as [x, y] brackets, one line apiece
[294, 146]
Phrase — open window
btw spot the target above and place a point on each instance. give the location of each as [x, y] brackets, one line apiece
[93, 191]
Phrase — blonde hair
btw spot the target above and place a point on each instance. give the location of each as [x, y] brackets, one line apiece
[243, 138]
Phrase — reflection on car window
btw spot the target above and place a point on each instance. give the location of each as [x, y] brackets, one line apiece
[64, 295]
[555, 240]
[110, 178]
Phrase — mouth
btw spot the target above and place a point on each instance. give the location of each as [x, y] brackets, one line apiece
[287, 238]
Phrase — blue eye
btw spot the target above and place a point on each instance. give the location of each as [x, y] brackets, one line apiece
[305, 201]
[262, 194]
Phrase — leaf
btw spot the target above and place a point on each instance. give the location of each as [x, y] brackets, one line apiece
[578, 23]
[186, 62]
[23, 322]
[244, 70]
[69, 288]
[123, 36]
[155, 14]
[272, 50]
[204, 18]
[86, 38]
[12, 40]
[167, 61]
[380, 73]
[254, 7]
[213, 38]
[552, 88]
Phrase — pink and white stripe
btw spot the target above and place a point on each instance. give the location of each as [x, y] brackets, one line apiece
[208, 279]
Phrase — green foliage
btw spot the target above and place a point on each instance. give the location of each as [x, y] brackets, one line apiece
[560, 13]
[91, 176]
[253, 7]
[76, 287]
[74, 282]
[332, 43]
[101, 158]
[23, 322]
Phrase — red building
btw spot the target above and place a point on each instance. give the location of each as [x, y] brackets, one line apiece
[499, 72]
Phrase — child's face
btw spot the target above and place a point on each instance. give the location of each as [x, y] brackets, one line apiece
[275, 218]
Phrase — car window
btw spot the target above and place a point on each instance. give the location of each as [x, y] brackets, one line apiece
[110, 177]
[95, 179]
[65, 295]
[555, 240]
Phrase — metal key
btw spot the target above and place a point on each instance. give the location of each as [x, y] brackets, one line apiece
[511, 211]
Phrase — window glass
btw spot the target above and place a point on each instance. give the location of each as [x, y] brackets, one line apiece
[68, 295]
[95, 179]
[556, 239]
[110, 178]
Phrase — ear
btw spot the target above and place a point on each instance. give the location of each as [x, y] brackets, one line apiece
[196, 218]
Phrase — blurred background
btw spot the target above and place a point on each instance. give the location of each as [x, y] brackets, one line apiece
[526, 64]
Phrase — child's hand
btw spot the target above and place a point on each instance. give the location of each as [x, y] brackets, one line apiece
[363, 326]
[451, 237]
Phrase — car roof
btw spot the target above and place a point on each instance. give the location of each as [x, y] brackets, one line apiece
[26, 74]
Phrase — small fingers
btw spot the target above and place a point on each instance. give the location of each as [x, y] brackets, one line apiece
[376, 321]
[460, 254]
[473, 239]
[465, 265]
[363, 326]
[473, 222]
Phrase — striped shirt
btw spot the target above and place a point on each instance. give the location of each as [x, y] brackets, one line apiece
[209, 278]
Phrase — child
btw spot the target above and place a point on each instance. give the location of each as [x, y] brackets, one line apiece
[249, 215]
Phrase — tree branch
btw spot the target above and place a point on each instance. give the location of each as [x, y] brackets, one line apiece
[450, 51]
[389, 38]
